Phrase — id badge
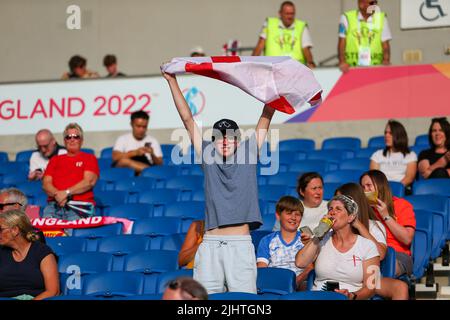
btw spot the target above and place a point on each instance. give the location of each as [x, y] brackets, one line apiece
[364, 56]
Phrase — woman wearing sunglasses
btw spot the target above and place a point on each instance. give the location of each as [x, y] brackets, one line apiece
[70, 178]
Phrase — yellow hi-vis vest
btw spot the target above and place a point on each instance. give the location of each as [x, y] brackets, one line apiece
[285, 42]
[361, 33]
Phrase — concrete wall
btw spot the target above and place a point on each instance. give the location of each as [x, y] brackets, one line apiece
[36, 44]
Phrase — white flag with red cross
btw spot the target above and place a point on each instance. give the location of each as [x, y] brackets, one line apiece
[281, 82]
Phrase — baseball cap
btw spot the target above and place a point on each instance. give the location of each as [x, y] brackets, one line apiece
[225, 127]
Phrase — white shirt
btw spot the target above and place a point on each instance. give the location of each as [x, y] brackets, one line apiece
[378, 231]
[306, 36]
[394, 164]
[311, 216]
[38, 161]
[346, 268]
[128, 142]
[343, 26]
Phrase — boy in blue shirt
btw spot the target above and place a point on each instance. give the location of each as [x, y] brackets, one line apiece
[278, 249]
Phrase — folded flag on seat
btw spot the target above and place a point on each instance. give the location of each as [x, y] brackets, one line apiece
[281, 82]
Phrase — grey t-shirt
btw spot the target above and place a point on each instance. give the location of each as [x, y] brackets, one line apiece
[231, 189]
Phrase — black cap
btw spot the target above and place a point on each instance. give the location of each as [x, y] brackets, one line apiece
[225, 127]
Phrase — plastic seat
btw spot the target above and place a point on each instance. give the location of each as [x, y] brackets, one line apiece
[275, 281]
[422, 140]
[268, 222]
[283, 179]
[193, 210]
[360, 164]
[342, 176]
[186, 185]
[131, 211]
[173, 242]
[388, 264]
[329, 189]
[4, 157]
[14, 179]
[376, 142]
[320, 166]
[107, 199]
[365, 152]
[66, 245]
[115, 174]
[123, 244]
[134, 187]
[152, 261]
[257, 235]
[272, 193]
[235, 296]
[198, 195]
[99, 232]
[161, 174]
[314, 295]
[14, 167]
[296, 145]
[351, 143]
[113, 284]
[24, 156]
[104, 164]
[159, 226]
[335, 154]
[433, 187]
[159, 198]
[397, 189]
[421, 247]
[106, 153]
[438, 229]
[167, 149]
[88, 150]
[166, 277]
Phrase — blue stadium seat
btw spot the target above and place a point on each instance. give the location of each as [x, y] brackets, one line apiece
[360, 164]
[131, 211]
[173, 242]
[4, 157]
[329, 189]
[159, 198]
[66, 245]
[418, 149]
[275, 281]
[135, 186]
[257, 235]
[113, 284]
[438, 229]
[187, 211]
[106, 199]
[314, 295]
[106, 153]
[432, 186]
[121, 246]
[342, 176]
[283, 179]
[14, 167]
[365, 153]
[143, 297]
[71, 297]
[296, 145]
[186, 185]
[397, 189]
[104, 164]
[232, 296]
[272, 193]
[159, 226]
[198, 195]
[194, 170]
[166, 277]
[388, 264]
[310, 280]
[93, 234]
[340, 143]
[320, 166]
[422, 140]
[88, 150]
[14, 179]
[376, 142]
[421, 248]
[100, 186]
[32, 190]
[161, 174]
[24, 156]
[115, 174]
[335, 154]
[268, 222]
[167, 149]
[152, 261]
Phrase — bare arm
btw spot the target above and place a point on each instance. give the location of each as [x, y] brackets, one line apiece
[374, 165]
[343, 65]
[263, 125]
[259, 47]
[190, 246]
[49, 270]
[47, 185]
[425, 169]
[309, 57]
[184, 112]
[307, 254]
[410, 175]
[386, 53]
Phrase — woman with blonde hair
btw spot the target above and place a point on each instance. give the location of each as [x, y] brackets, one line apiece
[28, 268]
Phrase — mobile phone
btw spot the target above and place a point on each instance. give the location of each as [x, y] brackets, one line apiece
[148, 144]
[332, 285]
[306, 230]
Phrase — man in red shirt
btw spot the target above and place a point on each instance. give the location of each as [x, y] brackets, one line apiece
[70, 177]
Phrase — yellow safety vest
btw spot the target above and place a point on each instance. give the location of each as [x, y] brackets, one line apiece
[285, 42]
[361, 33]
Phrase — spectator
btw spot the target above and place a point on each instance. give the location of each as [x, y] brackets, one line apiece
[194, 238]
[279, 248]
[310, 191]
[397, 216]
[286, 36]
[364, 37]
[77, 66]
[137, 150]
[197, 52]
[226, 257]
[70, 179]
[47, 148]
[435, 162]
[396, 161]
[184, 288]
[343, 255]
[110, 63]
[28, 268]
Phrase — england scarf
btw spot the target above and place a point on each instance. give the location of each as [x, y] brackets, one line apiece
[281, 82]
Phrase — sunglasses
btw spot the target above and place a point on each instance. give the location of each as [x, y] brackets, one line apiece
[72, 136]
[3, 205]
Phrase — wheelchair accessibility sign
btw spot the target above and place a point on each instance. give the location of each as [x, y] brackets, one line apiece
[417, 14]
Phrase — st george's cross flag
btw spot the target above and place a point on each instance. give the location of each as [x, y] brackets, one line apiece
[280, 82]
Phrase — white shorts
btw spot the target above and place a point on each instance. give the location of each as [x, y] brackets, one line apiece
[226, 263]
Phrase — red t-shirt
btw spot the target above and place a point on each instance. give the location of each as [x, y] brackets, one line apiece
[66, 171]
[404, 215]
